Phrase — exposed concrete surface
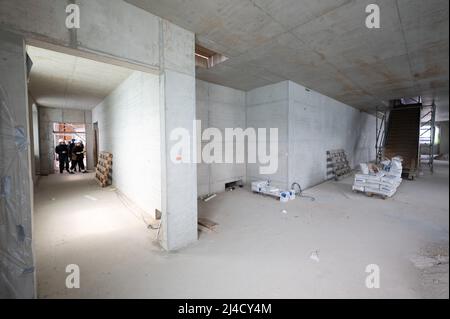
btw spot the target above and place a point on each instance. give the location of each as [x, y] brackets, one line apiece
[50, 115]
[80, 223]
[324, 45]
[67, 81]
[17, 272]
[219, 107]
[443, 137]
[34, 138]
[112, 28]
[309, 124]
[307, 128]
[129, 127]
[318, 123]
[268, 107]
[123, 34]
[257, 251]
[177, 107]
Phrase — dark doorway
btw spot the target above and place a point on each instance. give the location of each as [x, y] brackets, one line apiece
[95, 144]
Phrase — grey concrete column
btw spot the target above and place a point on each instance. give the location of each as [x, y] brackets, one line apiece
[17, 273]
[177, 98]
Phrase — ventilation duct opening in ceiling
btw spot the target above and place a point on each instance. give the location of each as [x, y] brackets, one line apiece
[411, 100]
[206, 58]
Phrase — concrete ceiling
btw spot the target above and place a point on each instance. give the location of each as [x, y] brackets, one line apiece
[66, 81]
[322, 44]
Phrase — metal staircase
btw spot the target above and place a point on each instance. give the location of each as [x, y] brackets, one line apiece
[427, 135]
[402, 134]
[407, 129]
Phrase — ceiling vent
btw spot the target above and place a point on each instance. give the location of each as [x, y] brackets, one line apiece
[206, 58]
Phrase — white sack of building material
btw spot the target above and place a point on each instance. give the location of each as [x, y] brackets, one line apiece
[370, 177]
[386, 162]
[384, 182]
[359, 188]
[394, 173]
[387, 188]
[372, 189]
[359, 184]
[364, 168]
[396, 164]
[359, 178]
[388, 193]
[391, 180]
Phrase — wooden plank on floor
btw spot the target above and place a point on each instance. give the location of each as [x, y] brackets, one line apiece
[207, 223]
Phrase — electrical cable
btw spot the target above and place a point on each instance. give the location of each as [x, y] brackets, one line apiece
[135, 214]
[299, 193]
[139, 215]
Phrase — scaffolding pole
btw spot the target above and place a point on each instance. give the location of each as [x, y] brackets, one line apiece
[428, 128]
[381, 127]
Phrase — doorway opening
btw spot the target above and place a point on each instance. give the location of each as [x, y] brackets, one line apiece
[106, 108]
[69, 133]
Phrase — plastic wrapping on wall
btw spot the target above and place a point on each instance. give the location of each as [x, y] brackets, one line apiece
[16, 260]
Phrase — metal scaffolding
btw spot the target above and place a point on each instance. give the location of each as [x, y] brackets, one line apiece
[381, 117]
[427, 135]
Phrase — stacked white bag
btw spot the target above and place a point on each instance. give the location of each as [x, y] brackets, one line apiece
[384, 182]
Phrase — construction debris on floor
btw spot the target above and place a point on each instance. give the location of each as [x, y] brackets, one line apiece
[315, 255]
[103, 170]
[205, 224]
[265, 188]
[383, 179]
[207, 197]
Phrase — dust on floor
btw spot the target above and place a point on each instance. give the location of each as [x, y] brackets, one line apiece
[261, 248]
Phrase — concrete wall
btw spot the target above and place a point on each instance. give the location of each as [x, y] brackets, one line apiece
[268, 107]
[36, 152]
[17, 273]
[220, 107]
[443, 138]
[103, 25]
[129, 127]
[309, 124]
[318, 123]
[177, 104]
[34, 138]
[116, 32]
[47, 117]
[365, 142]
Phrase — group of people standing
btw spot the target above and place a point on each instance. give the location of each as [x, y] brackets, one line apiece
[73, 153]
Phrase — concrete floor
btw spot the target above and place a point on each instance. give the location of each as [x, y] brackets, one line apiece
[256, 252]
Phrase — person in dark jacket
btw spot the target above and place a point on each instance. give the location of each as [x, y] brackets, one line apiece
[81, 167]
[78, 157]
[62, 150]
[73, 162]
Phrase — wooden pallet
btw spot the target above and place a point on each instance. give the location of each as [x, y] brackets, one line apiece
[103, 170]
[369, 194]
[337, 164]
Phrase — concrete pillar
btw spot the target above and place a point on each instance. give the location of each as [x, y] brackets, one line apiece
[17, 274]
[89, 140]
[177, 98]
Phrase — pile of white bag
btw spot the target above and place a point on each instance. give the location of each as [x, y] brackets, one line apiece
[382, 180]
